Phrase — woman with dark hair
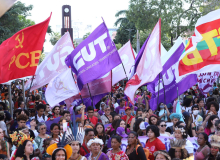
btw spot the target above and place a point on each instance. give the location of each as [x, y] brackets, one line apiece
[31, 102]
[55, 131]
[75, 145]
[137, 124]
[153, 119]
[55, 113]
[201, 106]
[153, 144]
[134, 148]
[163, 112]
[121, 123]
[114, 102]
[100, 133]
[161, 155]
[4, 145]
[210, 128]
[116, 152]
[204, 147]
[187, 104]
[162, 126]
[180, 134]
[25, 151]
[213, 107]
[177, 149]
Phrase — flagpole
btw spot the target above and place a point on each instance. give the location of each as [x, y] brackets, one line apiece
[90, 94]
[164, 93]
[124, 70]
[76, 86]
[29, 89]
[158, 90]
[177, 93]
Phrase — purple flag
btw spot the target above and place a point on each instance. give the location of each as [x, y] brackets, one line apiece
[94, 57]
[169, 79]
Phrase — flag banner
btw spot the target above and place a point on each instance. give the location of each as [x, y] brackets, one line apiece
[98, 86]
[20, 54]
[165, 140]
[61, 88]
[54, 62]
[206, 81]
[5, 5]
[127, 57]
[94, 57]
[169, 79]
[202, 53]
[149, 66]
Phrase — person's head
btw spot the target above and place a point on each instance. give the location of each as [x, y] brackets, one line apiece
[56, 110]
[161, 125]
[59, 154]
[195, 100]
[120, 123]
[122, 102]
[110, 118]
[102, 105]
[90, 111]
[2, 104]
[32, 98]
[47, 142]
[42, 128]
[177, 149]
[95, 145]
[211, 121]
[24, 111]
[217, 127]
[48, 109]
[21, 104]
[215, 147]
[137, 124]
[21, 120]
[160, 106]
[75, 145]
[89, 134]
[161, 155]
[25, 149]
[188, 102]
[143, 126]
[139, 112]
[115, 142]
[199, 129]
[107, 110]
[1, 134]
[117, 117]
[210, 99]
[203, 139]
[99, 129]
[128, 111]
[180, 132]
[195, 110]
[153, 119]
[200, 103]
[133, 139]
[40, 109]
[66, 115]
[55, 129]
[213, 106]
[38, 97]
[175, 117]
[114, 100]
[79, 109]
[152, 132]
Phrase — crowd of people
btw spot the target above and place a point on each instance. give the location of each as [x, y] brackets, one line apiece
[36, 130]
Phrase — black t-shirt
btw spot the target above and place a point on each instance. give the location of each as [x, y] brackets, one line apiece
[140, 156]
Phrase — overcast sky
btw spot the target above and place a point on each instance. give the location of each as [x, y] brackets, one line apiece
[86, 11]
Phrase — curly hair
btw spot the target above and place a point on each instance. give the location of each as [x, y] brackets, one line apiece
[184, 153]
[22, 117]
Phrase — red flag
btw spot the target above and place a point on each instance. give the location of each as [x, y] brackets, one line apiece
[20, 54]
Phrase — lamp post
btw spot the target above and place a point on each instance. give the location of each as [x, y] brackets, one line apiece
[129, 30]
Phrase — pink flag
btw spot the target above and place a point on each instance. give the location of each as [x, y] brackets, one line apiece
[149, 66]
[127, 56]
[98, 86]
[54, 62]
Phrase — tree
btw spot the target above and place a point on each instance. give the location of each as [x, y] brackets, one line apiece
[176, 17]
[14, 20]
[55, 36]
[86, 35]
[121, 19]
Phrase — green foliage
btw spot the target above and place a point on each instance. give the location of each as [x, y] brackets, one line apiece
[86, 35]
[42, 56]
[121, 19]
[14, 20]
[55, 36]
[177, 16]
[75, 43]
[118, 46]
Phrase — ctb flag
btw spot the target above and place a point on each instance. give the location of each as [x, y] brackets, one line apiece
[20, 54]
[94, 57]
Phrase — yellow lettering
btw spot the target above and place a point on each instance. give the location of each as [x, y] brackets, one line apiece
[17, 61]
[197, 58]
[208, 37]
[33, 58]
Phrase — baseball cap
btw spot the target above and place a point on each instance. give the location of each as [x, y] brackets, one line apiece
[126, 108]
[121, 132]
[144, 125]
[78, 108]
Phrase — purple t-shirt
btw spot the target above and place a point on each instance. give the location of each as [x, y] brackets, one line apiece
[118, 108]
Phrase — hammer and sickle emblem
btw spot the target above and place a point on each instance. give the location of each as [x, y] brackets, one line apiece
[12, 61]
[20, 40]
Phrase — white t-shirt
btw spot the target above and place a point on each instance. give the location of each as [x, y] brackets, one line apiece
[40, 119]
[187, 109]
[116, 105]
[189, 147]
[3, 127]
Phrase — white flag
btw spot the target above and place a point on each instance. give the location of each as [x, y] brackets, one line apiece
[5, 5]
[60, 88]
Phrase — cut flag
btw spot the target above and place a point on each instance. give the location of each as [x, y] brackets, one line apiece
[203, 50]
[54, 63]
[20, 54]
[127, 56]
[149, 66]
[61, 88]
[94, 57]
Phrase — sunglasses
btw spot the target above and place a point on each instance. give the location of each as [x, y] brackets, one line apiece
[163, 125]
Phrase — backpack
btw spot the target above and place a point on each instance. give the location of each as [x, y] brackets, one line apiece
[146, 151]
